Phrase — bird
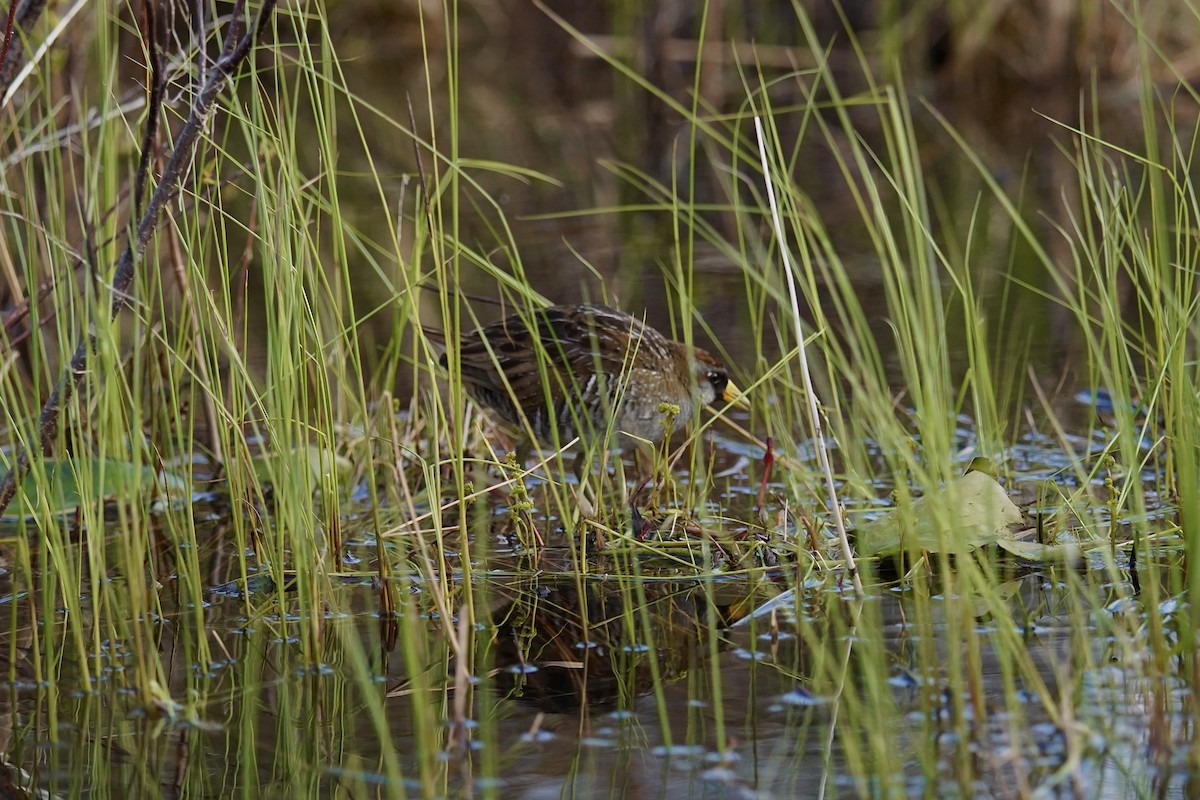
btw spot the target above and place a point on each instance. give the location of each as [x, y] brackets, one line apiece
[573, 369]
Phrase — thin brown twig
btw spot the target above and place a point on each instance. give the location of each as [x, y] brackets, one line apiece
[155, 104]
[20, 19]
[18, 312]
[9, 26]
[426, 197]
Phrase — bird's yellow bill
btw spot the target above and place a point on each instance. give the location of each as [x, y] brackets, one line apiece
[734, 397]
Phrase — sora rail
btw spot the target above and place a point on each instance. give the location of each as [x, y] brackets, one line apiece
[577, 366]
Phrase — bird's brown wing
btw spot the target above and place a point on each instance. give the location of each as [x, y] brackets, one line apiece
[584, 349]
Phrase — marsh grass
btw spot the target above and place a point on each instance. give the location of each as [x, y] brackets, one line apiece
[372, 662]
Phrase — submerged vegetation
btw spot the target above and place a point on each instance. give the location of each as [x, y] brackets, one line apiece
[267, 546]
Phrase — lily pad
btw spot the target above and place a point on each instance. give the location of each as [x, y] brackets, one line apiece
[966, 513]
[66, 484]
[321, 464]
[1067, 553]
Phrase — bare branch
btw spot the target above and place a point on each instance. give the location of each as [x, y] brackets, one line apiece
[21, 18]
[231, 57]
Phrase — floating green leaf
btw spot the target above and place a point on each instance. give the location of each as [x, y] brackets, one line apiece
[1068, 552]
[966, 513]
[64, 485]
[321, 464]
